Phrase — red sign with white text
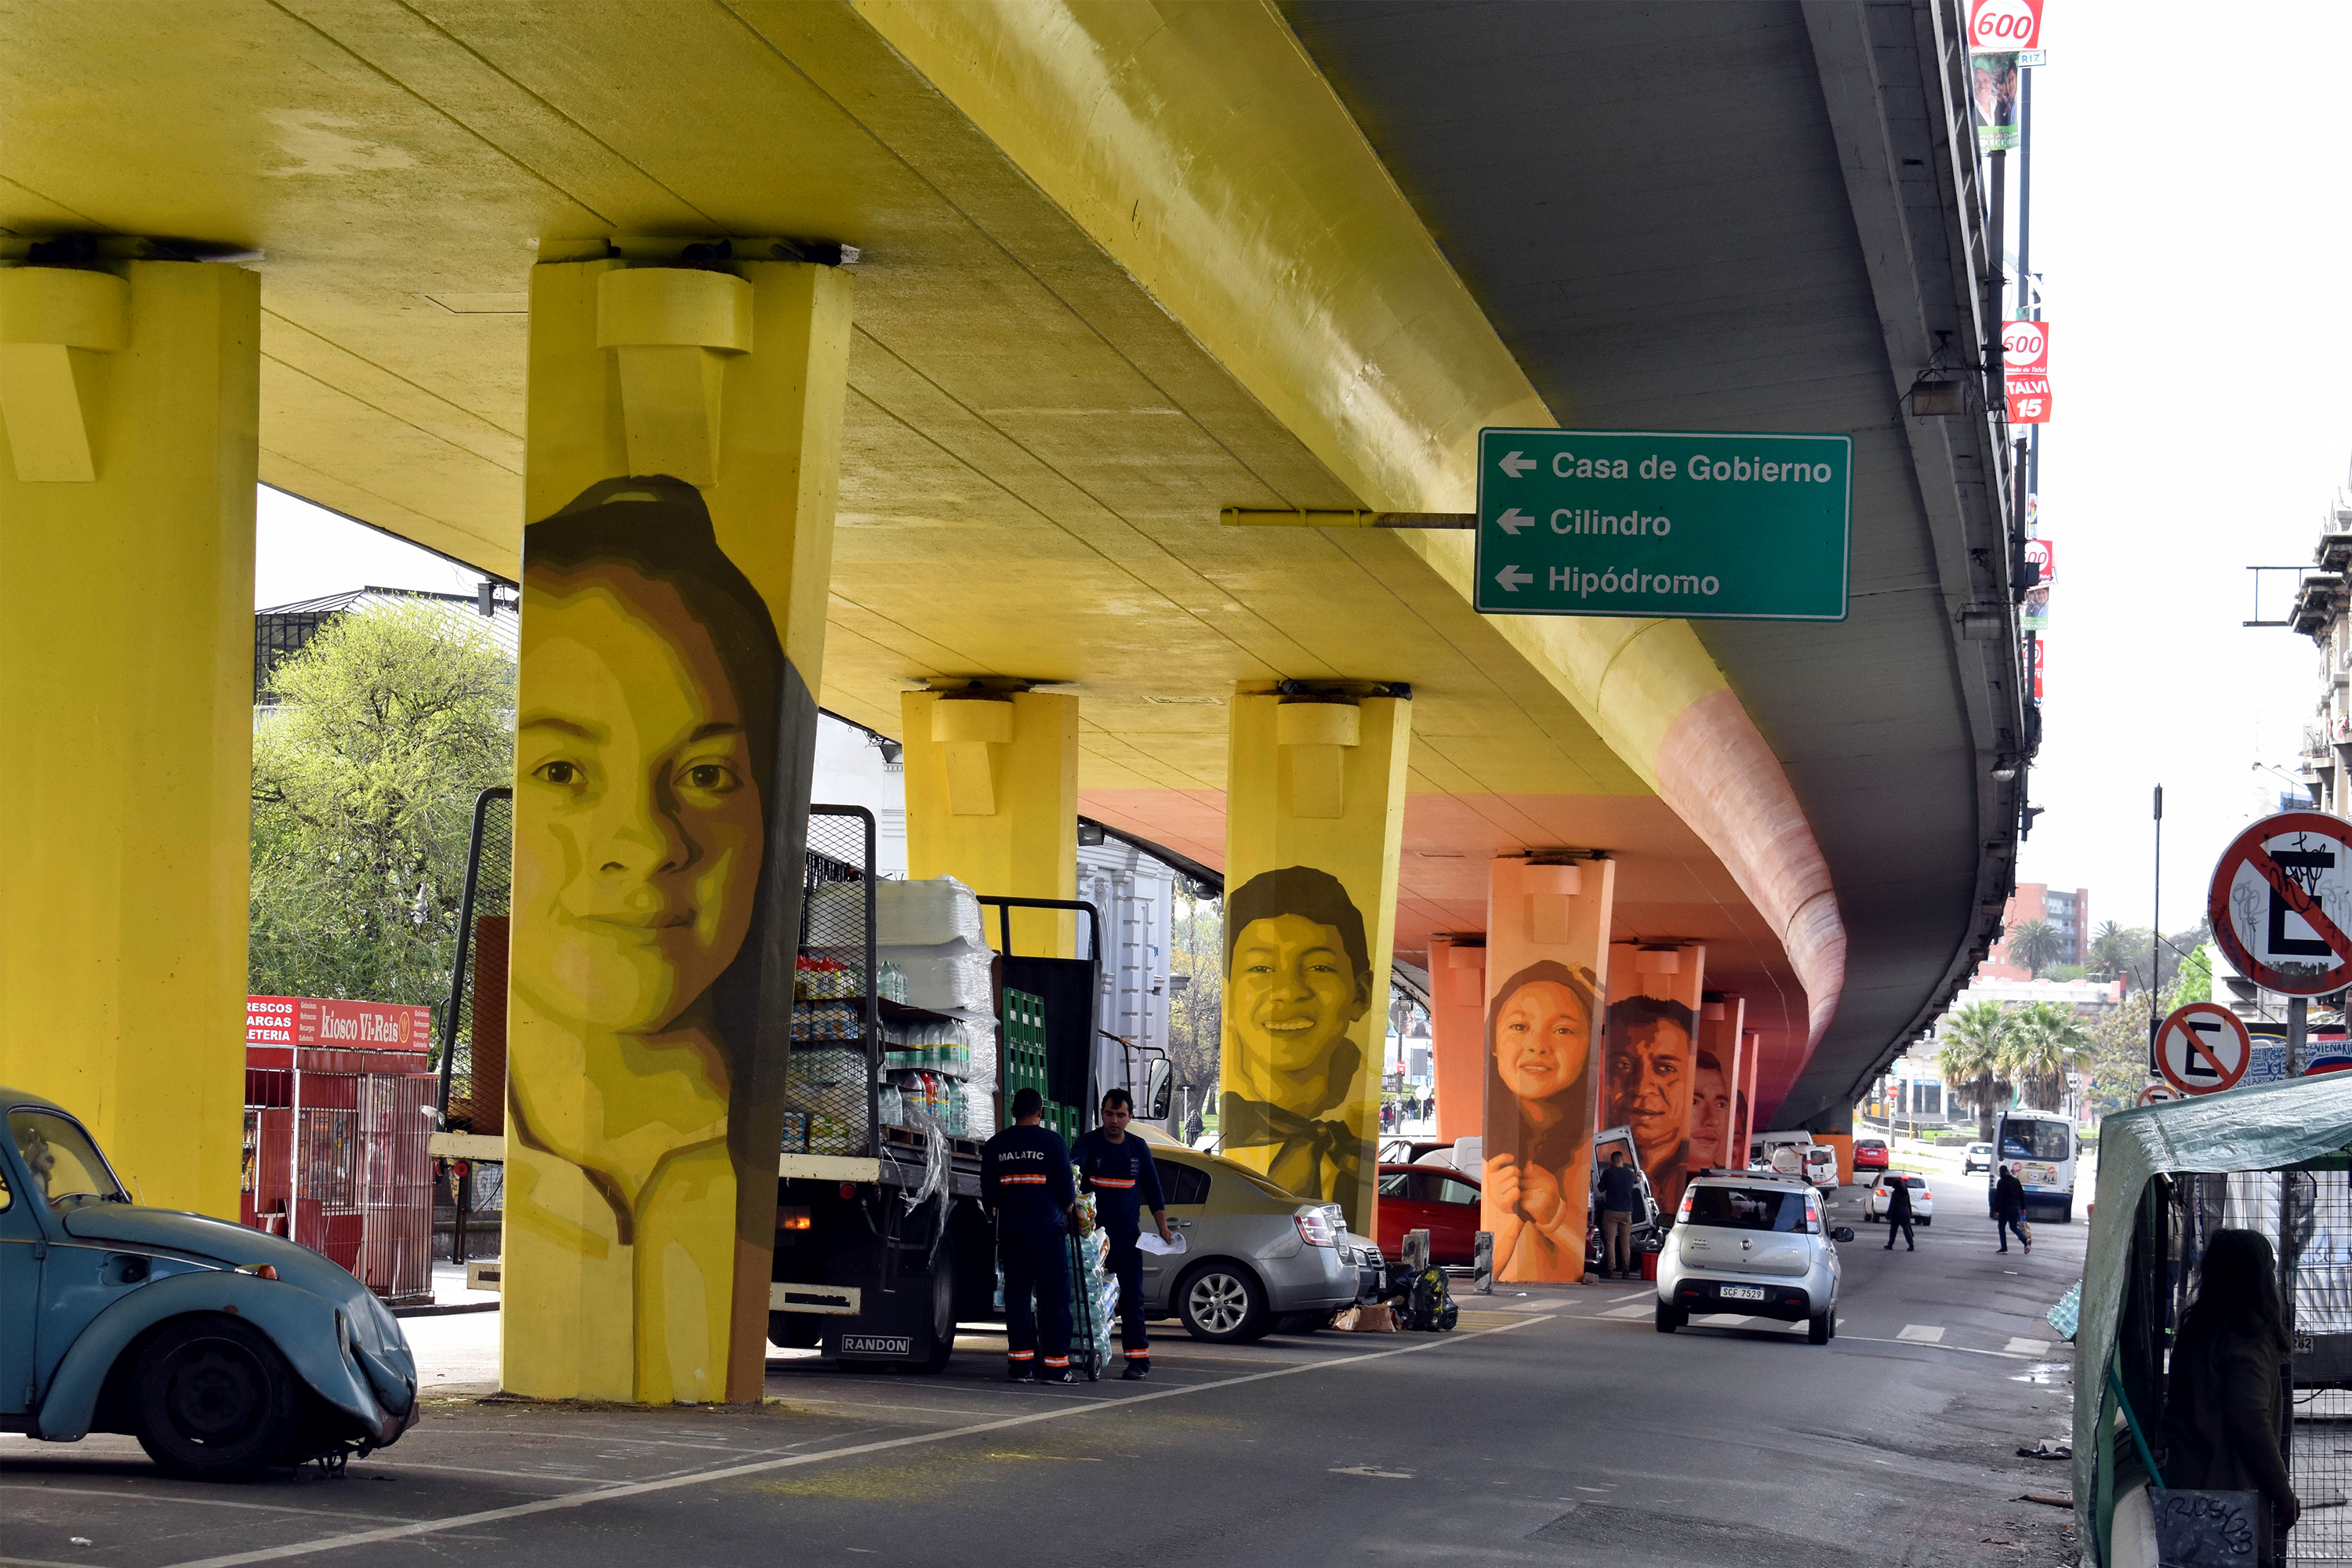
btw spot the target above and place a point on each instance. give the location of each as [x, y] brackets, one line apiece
[2025, 363]
[349, 1026]
[2042, 553]
[2004, 26]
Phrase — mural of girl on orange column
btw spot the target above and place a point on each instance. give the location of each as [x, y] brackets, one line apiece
[1539, 1098]
[656, 871]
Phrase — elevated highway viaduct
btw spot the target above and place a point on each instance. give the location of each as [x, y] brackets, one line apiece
[963, 325]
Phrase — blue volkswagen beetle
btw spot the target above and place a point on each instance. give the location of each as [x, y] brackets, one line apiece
[223, 1349]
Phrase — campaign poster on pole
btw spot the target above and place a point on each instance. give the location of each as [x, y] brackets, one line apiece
[2042, 555]
[2025, 365]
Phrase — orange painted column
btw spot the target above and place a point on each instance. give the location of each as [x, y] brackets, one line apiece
[1750, 1052]
[1547, 976]
[1457, 1043]
[1715, 1085]
[1651, 1060]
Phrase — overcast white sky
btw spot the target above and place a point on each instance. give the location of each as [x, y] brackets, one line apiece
[2191, 227]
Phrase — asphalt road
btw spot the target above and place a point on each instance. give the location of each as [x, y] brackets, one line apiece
[1554, 1427]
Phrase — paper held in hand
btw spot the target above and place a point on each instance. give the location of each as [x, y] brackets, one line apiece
[1150, 1242]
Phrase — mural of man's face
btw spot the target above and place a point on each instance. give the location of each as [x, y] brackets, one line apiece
[1542, 1035]
[1650, 1084]
[1293, 992]
[638, 843]
[1710, 1117]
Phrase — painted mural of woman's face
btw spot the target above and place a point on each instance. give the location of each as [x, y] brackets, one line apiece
[1542, 1033]
[639, 824]
[1293, 993]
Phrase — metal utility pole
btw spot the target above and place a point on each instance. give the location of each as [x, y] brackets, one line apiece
[2156, 936]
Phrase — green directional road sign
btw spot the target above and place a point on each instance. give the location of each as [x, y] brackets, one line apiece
[1698, 525]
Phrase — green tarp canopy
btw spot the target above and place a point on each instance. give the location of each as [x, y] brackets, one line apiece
[2274, 1128]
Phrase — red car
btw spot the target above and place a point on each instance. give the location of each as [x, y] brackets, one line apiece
[1438, 1199]
[1870, 1154]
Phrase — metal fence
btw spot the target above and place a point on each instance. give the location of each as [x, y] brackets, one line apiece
[2307, 1218]
[831, 1093]
[472, 1054]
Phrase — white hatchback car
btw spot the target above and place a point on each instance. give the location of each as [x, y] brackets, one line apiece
[1881, 1197]
[1755, 1245]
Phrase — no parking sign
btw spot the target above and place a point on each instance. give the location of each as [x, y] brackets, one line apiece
[2202, 1048]
[2282, 901]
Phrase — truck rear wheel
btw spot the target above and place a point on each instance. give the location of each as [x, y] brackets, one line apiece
[943, 1317]
[795, 1331]
[213, 1400]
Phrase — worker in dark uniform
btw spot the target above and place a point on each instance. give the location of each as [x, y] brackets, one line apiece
[1024, 1182]
[1117, 1168]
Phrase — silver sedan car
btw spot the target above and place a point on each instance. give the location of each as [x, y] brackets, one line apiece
[1755, 1245]
[1255, 1256]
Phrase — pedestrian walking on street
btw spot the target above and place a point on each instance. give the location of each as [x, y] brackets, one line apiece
[1192, 1128]
[1898, 1212]
[1620, 1188]
[1024, 1182]
[2009, 1209]
[1117, 1168]
[2221, 1407]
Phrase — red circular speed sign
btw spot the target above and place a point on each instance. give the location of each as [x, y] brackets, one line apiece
[2281, 903]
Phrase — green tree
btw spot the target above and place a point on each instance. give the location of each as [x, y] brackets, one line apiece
[2119, 1056]
[1196, 1007]
[1974, 1059]
[393, 721]
[2111, 952]
[2035, 945]
[2195, 981]
[2041, 1043]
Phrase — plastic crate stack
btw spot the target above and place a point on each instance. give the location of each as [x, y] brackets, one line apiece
[826, 1112]
[930, 938]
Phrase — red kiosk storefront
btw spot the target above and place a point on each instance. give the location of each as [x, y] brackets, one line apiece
[338, 1107]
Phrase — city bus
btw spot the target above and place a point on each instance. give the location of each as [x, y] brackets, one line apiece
[2040, 1147]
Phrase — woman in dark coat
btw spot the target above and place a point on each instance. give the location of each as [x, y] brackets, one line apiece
[2221, 1407]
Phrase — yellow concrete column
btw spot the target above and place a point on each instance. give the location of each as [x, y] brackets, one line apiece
[682, 460]
[1314, 818]
[992, 800]
[1653, 1055]
[131, 397]
[1715, 1085]
[1546, 981]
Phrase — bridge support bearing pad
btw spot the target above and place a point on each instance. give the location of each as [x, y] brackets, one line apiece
[673, 634]
[1314, 820]
[992, 782]
[1547, 977]
[131, 399]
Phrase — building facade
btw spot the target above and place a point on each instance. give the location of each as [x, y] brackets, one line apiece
[2067, 913]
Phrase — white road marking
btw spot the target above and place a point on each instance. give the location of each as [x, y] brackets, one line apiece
[1922, 1333]
[1721, 1320]
[762, 1466]
[1924, 1344]
[39, 1488]
[1624, 1312]
[2029, 1347]
[1636, 1296]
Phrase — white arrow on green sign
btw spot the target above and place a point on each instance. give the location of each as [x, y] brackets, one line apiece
[1696, 525]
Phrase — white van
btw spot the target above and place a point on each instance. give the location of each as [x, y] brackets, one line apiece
[1766, 1146]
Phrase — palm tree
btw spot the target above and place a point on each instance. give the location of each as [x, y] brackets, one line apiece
[2034, 945]
[2111, 952]
[1974, 1060]
[2042, 1043]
